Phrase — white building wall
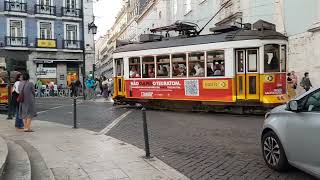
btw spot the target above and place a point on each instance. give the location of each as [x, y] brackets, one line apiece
[88, 36]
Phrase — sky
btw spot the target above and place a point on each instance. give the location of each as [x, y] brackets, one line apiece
[105, 12]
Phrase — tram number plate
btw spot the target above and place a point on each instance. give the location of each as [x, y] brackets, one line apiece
[215, 84]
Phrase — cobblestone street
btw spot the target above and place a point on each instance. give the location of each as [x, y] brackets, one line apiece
[199, 145]
[204, 146]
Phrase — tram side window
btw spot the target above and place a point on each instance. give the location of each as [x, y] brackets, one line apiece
[283, 60]
[134, 66]
[196, 64]
[272, 58]
[148, 67]
[215, 63]
[179, 64]
[163, 66]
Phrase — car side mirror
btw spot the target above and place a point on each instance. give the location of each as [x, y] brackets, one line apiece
[293, 106]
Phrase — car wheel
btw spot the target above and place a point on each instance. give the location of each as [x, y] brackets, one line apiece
[273, 153]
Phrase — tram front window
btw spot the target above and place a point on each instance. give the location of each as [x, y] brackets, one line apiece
[283, 58]
[179, 64]
[215, 63]
[196, 64]
[272, 58]
[163, 66]
[134, 66]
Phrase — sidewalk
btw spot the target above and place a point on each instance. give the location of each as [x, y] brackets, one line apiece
[81, 154]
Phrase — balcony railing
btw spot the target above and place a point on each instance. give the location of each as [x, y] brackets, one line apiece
[16, 41]
[15, 6]
[72, 44]
[70, 12]
[46, 43]
[45, 9]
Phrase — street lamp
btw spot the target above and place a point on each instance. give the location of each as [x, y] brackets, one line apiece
[92, 27]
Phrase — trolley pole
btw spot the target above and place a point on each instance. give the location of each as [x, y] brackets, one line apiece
[75, 112]
[145, 132]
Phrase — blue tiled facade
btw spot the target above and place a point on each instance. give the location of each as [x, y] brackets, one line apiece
[31, 20]
[32, 53]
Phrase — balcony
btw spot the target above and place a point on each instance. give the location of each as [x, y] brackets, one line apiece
[72, 44]
[46, 43]
[45, 9]
[16, 41]
[69, 12]
[15, 6]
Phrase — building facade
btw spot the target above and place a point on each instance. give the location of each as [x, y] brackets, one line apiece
[303, 28]
[44, 37]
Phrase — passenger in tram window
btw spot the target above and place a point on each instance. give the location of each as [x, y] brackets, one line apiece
[217, 70]
[197, 70]
[176, 70]
[151, 72]
[210, 71]
[165, 71]
[134, 73]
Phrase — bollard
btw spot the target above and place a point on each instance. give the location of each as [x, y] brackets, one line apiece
[75, 112]
[145, 132]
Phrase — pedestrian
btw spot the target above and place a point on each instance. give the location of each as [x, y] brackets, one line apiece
[111, 87]
[100, 85]
[90, 87]
[15, 94]
[294, 78]
[39, 87]
[77, 87]
[290, 87]
[27, 106]
[96, 87]
[305, 82]
[105, 87]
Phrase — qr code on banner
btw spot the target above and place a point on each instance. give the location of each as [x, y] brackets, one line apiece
[191, 87]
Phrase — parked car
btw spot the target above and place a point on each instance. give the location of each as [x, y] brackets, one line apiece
[291, 134]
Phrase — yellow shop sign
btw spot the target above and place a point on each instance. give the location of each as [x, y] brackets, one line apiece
[45, 43]
[215, 84]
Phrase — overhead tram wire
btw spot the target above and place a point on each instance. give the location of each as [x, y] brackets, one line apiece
[223, 6]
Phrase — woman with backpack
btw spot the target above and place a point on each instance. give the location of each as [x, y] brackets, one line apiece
[305, 82]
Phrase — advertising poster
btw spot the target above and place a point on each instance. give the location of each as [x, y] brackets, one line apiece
[181, 89]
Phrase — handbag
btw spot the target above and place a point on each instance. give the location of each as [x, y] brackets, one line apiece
[20, 98]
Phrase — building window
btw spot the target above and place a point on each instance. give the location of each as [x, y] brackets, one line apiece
[187, 6]
[16, 28]
[71, 4]
[196, 64]
[271, 58]
[71, 8]
[46, 30]
[15, 5]
[45, 7]
[71, 32]
[15, 35]
[215, 63]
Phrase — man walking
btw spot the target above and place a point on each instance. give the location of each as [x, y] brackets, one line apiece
[305, 82]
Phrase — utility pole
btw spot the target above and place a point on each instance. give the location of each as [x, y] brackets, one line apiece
[83, 52]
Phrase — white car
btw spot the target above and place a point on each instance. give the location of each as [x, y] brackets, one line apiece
[291, 134]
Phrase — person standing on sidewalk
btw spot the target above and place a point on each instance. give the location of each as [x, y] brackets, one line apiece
[290, 86]
[15, 94]
[305, 82]
[105, 87]
[27, 108]
[39, 87]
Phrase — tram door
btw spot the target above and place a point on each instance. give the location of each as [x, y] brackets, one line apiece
[119, 86]
[247, 74]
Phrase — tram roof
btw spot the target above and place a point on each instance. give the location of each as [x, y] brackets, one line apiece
[236, 35]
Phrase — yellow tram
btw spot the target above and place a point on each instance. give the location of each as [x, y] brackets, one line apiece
[231, 69]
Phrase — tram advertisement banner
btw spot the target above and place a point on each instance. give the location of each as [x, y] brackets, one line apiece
[181, 89]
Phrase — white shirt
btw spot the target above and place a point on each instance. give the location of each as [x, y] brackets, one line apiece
[16, 86]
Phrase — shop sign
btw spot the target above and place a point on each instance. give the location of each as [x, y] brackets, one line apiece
[45, 43]
[47, 72]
